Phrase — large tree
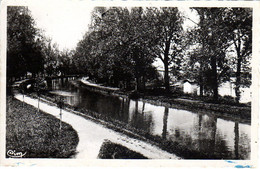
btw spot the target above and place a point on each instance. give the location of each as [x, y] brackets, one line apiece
[239, 21]
[219, 31]
[117, 45]
[23, 47]
[167, 29]
[212, 38]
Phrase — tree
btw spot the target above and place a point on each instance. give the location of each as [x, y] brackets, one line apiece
[221, 30]
[23, 49]
[240, 23]
[213, 41]
[117, 46]
[166, 23]
[51, 55]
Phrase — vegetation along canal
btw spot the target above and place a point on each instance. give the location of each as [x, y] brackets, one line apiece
[201, 131]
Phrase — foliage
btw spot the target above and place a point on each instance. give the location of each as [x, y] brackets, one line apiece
[239, 21]
[166, 24]
[116, 49]
[123, 43]
[212, 61]
[23, 47]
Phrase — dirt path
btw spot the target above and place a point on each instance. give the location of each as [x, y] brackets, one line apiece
[92, 135]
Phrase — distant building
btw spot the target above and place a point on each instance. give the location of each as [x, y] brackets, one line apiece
[225, 89]
[190, 87]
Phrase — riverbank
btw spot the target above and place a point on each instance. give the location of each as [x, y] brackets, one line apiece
[174, 146]
[92, 135]
[37, 134]
[177, 147]
[186, 103]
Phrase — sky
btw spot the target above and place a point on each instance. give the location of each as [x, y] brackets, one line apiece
[66, 23]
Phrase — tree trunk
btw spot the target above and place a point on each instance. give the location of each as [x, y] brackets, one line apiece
[201, 83]
[214, 78]
[144, 80]
[238, 73]
[238, 80]
[166, 67]
[166, 78]
[202, 26]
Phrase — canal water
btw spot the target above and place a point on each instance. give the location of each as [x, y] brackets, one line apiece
[200, 131]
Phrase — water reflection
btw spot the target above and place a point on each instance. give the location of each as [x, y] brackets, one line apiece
[201, 131]
[165, 119]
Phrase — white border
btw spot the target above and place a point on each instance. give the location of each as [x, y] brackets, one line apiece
[137, 163]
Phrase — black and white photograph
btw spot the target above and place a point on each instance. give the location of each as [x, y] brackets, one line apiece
[131, 81]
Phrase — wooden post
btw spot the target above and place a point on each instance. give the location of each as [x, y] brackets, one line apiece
[38, 103]
[60, 105]
[23, 99]
[60, 116]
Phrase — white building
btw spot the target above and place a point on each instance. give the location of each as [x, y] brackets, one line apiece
[190, 87]
[225, 89]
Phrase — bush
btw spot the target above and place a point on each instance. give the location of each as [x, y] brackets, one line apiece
[111, 150]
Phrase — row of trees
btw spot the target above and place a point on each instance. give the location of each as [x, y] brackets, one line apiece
[28, 50]
[122, 44]
[23, 47]
[224, 36]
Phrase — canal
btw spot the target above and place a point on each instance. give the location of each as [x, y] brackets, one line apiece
[201, 131]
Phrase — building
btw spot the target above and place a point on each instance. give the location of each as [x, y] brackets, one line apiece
[190, 87]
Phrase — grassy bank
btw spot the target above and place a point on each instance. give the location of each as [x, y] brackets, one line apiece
[37, 134]
[111, 150]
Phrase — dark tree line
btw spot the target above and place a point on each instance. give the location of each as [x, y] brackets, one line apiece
[121, 45]
[28, 50]
[224, 39]
[23, 48]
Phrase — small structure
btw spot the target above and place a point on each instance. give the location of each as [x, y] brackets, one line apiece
[28, 75]
[190, 87]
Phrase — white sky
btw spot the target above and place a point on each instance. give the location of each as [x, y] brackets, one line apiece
[66, 23]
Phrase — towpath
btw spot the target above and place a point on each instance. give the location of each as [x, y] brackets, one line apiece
[92, 135]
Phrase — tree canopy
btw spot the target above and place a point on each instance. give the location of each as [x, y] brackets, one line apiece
[23, 47]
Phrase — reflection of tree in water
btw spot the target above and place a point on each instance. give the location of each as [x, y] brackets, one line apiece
[124, 109]
[141, 119]
[203, 138]
[211, 141]
[236, 130]
[110, 106]
[165, 119]
[242, 147]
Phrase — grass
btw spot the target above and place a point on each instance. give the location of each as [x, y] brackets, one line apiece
[36, 133]
[111, 150]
